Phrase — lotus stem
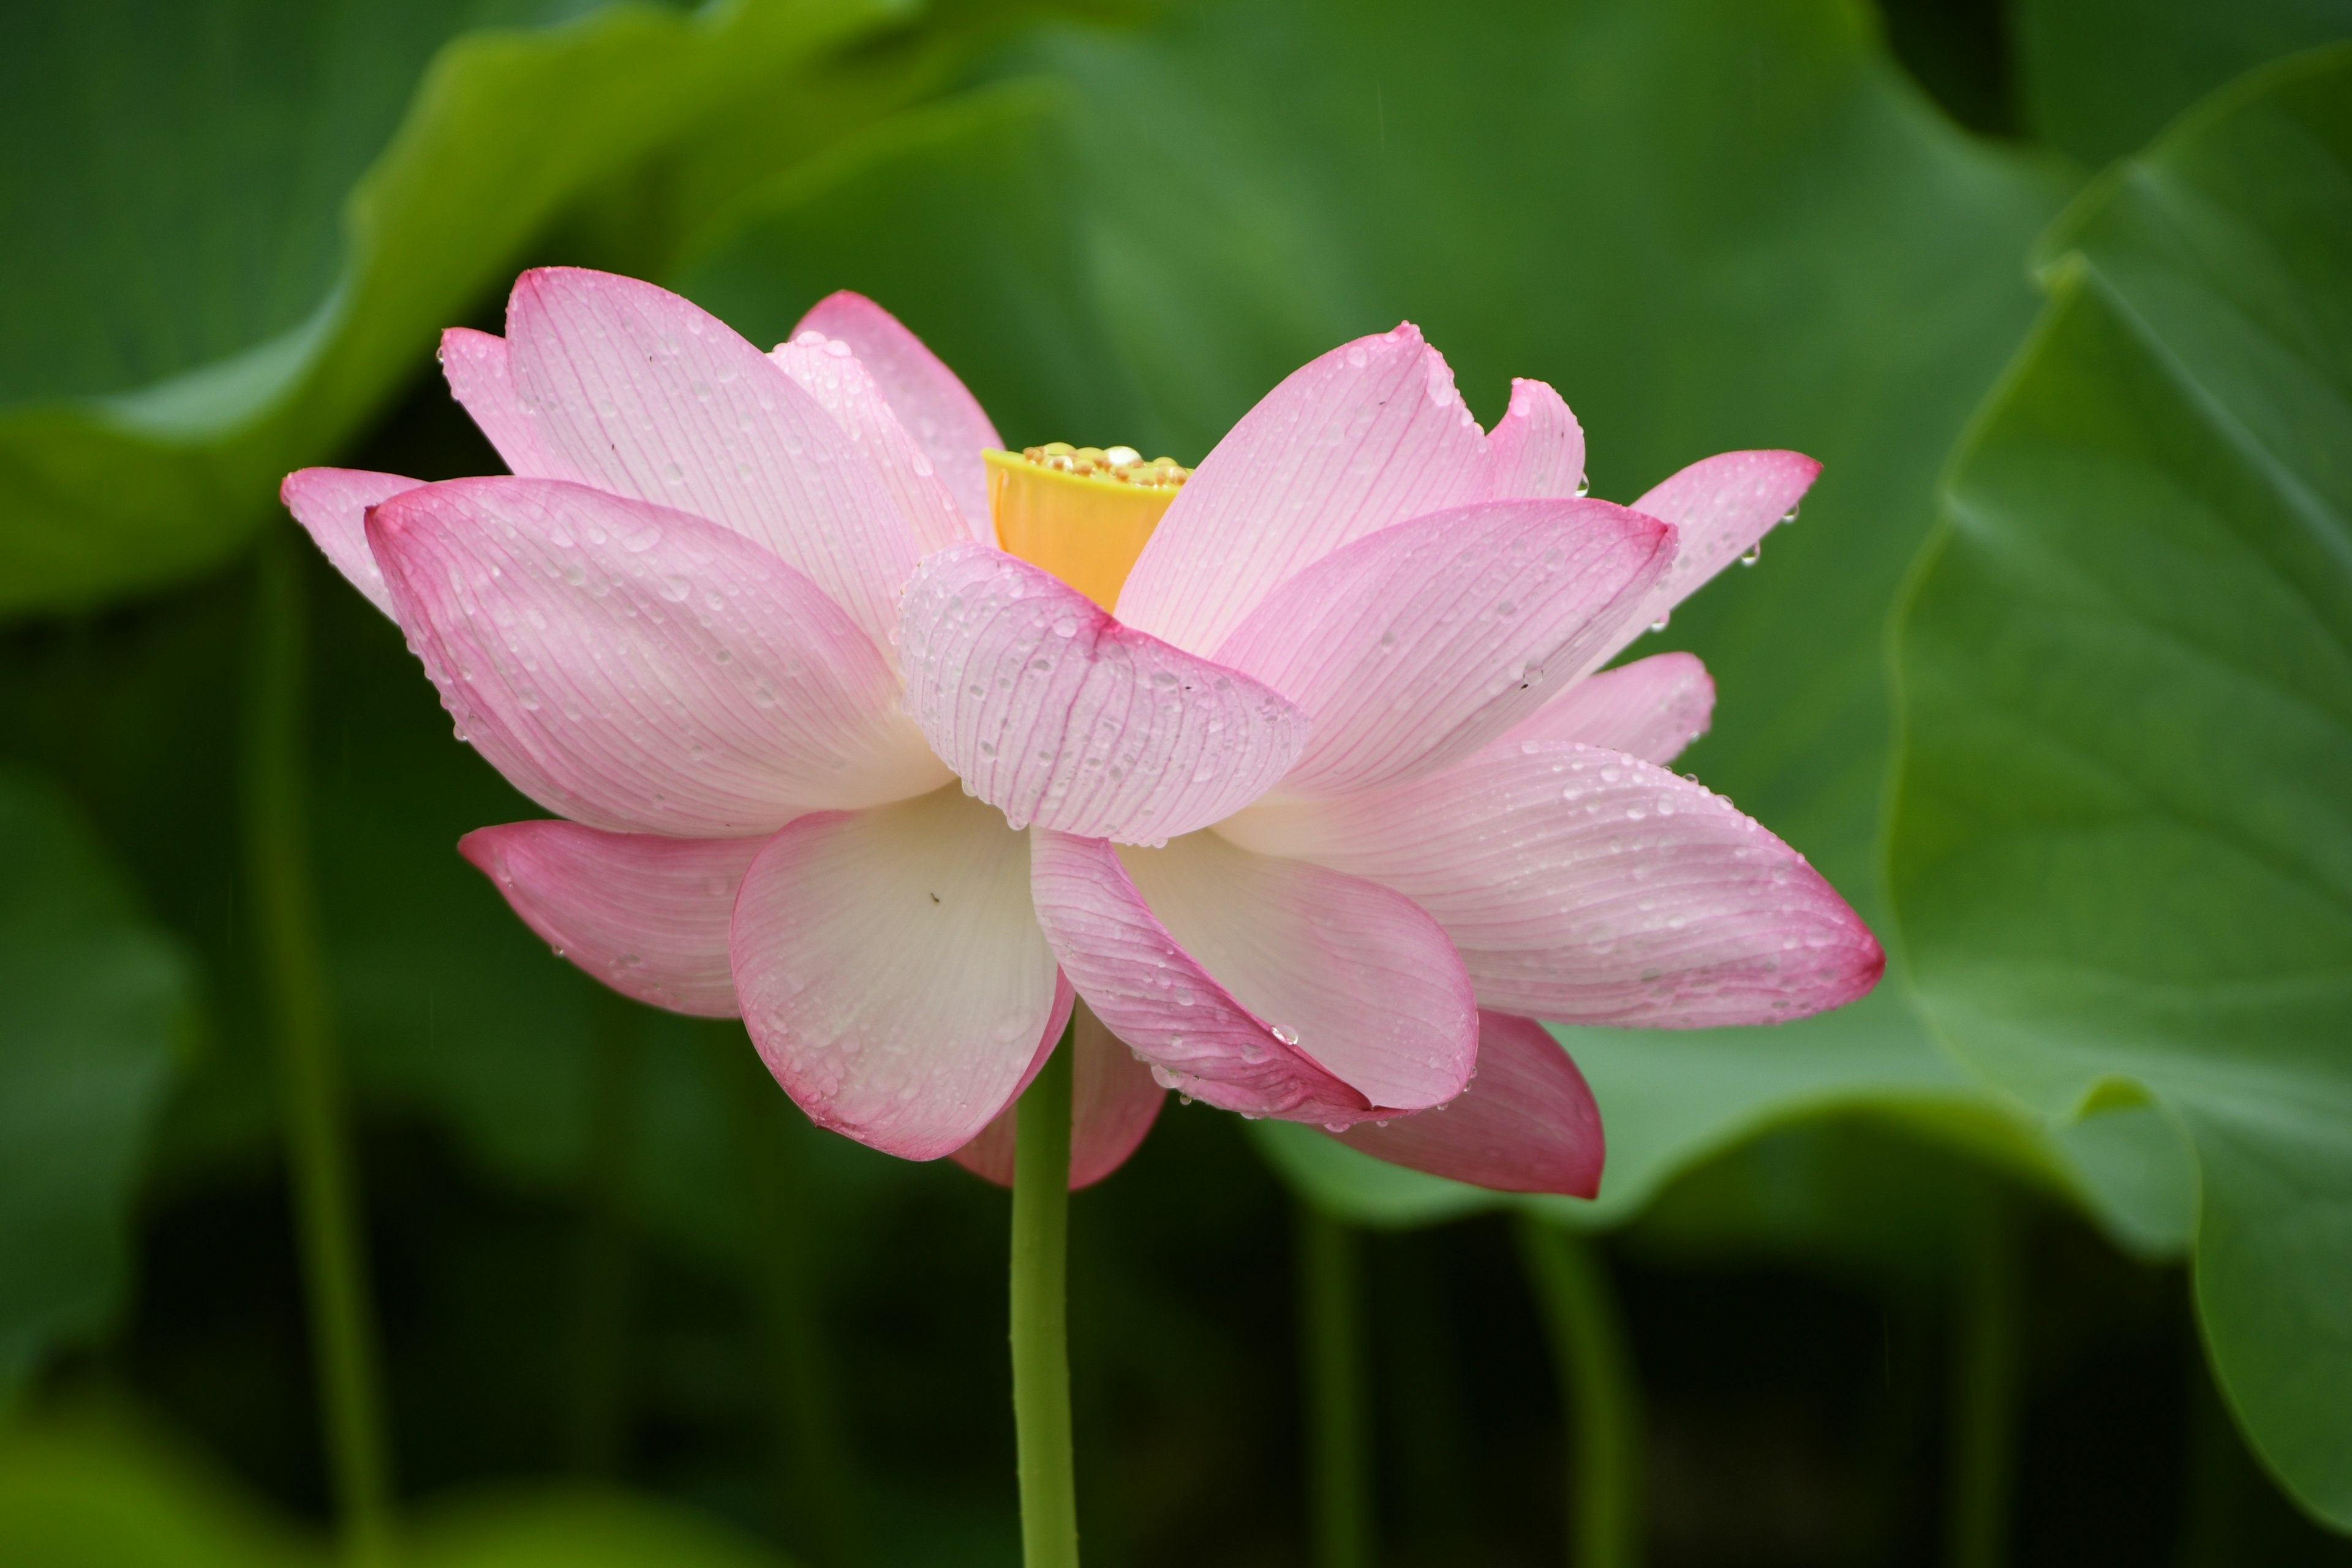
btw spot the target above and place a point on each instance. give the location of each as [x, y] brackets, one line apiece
[1599, 1391]
[310, 1090]
[1332, 1329]
[1041, 1339]
[1984, 1396]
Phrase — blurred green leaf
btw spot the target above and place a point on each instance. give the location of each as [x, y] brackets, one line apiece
[2121, 839]
[230, 231]
[94, 1006]
[90, 1491]
[2101, 76]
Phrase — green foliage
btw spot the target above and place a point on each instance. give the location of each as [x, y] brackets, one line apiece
[2101, 76]
[232, 231]
[89, 1490]
[2122, 841]
[94, 1012]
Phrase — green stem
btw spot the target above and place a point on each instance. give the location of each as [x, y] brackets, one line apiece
[1984, 1397]
[817, 1494]
[600, 1381]
[1331, 1325]
[1041, 1338]
[294, 984]
[1599, 1390]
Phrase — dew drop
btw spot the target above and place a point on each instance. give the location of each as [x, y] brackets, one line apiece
[1660, 624]
[1287, 1035]
[1754, 553]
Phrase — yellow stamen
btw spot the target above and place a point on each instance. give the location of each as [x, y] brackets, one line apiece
[1083, 513]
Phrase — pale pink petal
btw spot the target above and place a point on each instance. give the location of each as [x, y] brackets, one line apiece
[639, 669]
[892, 973]
[644, 914]
[475, 364]
[1413, 646]
[936, 409]
[1649, 709]
[1114, 1100]
[1267, 986]
[1538, 447]
[638, 392]
[1593, 888]
[1525, 1123]
[331, 505]
[1720, 507]
[1369, 435]
[1053, 712]
[830, 372]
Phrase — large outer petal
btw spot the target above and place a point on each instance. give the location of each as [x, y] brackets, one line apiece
[891, 971]
[638, 670]
[1052, 712]
[1114, 1100]
[1413, 646]
[481, 379]
[1591, 888]
[1719, 505]
[1265, 986]
[1527, 1123]
[1649, 709]
[828, 371]
[331, 505]
[1538, 447]
[1369, 434]
[638, 392]
[644, 914]
[931, 404]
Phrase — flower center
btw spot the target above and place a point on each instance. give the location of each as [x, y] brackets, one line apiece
[1083, 513]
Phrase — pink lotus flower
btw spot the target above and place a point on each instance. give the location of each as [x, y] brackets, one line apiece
[1315, 824]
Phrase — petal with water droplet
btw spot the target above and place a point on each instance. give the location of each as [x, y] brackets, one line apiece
[1379, 1005]
[892, 973]
[644, 914]
[1527, 1124]
[578, 672]
[1564, 907]
[1052, 711]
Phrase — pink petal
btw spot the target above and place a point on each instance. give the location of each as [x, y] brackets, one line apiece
[480, 379]
[1719, 505]
[639, 669]
[943, 418]
[1113, 1102]
[1413, 646]
[827, 371]
[1369, 435]
[892, 973]
[646, 915]
[331, 506]
[1525, 1123]
[1538, 447]
[1591, 888]
[640, 393]
[1649, 709]
[1053, 712]
[1265, 986]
